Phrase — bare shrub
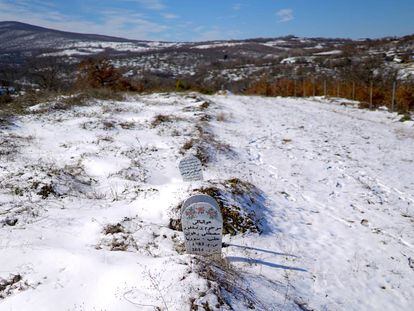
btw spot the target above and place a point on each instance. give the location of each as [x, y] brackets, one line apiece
[161, 118]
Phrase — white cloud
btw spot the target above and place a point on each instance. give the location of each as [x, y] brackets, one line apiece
[150, 4]
[215, 33]
[237, 7]
[169, 15]
[285, 15]
[111, 22]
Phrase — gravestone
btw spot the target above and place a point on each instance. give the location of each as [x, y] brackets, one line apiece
[200, 198]
[203, 228]
[190, 168]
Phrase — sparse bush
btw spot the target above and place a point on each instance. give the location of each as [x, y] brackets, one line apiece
[405, 117]
[204, 105]
[205, 145]
[46, 190]
[181, 86]
[112, 229]
[5, 99]
[160, 119]
[405, 97]
[187, 145]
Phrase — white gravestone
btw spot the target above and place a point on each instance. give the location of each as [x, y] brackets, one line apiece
[200, 198]
[190, 168]
[203, 228]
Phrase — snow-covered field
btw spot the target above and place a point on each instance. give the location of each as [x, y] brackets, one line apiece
[87, 194]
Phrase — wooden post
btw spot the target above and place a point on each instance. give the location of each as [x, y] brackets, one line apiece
[287, 87]
[314, 88]
[370, 95]
[394, 85]
[303, 86]
[294, 88]
[353, 90]
[337, 89]
[324, 88]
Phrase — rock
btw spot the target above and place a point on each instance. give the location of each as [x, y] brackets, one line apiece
[11, 221]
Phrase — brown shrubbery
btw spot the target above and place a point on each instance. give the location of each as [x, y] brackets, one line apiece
[101, 74]
[360, 91]
[405, 97]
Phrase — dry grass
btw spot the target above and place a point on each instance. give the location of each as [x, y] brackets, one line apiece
[205, 145]
[54, 100]
[204, 105]
[160, 119]
[112, 229]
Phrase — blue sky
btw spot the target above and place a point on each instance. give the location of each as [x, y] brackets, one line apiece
[198, 20]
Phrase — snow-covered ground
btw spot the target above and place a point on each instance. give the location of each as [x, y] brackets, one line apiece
[333, 52]
[87, 193]
[93, 47]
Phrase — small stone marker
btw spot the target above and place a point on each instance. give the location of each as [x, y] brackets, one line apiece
[203, 228]
[190, 168]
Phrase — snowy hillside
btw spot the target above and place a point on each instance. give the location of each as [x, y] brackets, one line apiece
[319, 196]
[17, 36]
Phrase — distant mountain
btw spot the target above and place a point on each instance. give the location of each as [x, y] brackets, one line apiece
[20, 36]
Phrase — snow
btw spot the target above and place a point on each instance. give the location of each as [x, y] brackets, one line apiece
[71, 48]
[120, 46]
[289, 60]
[218, 45]
[275, 43]
[338, 190]
[333, 52]
[70, 52]
[406, 71]
[295, 59]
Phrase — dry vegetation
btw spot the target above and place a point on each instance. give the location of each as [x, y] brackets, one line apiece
[373, 95]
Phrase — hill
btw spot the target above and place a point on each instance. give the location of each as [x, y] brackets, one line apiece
[320, 194]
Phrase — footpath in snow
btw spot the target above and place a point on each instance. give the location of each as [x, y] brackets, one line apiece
[320, 196]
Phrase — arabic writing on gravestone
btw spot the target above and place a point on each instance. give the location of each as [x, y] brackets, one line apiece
[190, 168]
[202, 226]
